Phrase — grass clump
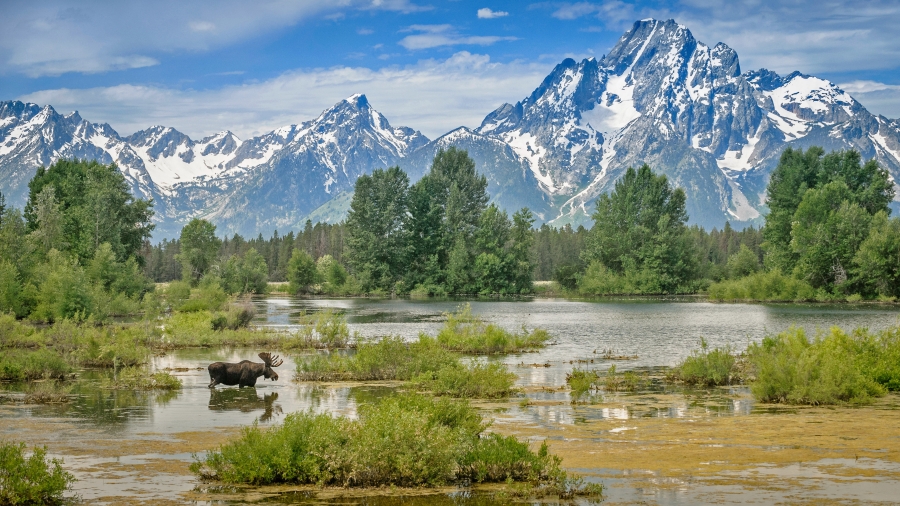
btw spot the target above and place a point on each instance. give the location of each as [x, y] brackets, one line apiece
[33, 479]
[136, 378]
[465, 333]
[491, 380]
[833, 368]
[30, 365]
[324, 330]
[404, 440]
[237, 316]
[388, 358]
[708, 367]
[582, 381]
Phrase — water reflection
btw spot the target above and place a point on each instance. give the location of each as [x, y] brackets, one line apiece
[245, 400]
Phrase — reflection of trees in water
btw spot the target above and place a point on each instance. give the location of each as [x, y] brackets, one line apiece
[245, 400]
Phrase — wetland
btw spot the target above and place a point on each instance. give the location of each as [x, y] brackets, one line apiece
[660, 442]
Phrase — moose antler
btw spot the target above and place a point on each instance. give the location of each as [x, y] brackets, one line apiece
[270, 360]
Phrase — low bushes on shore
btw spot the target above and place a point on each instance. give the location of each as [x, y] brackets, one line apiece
[465, 333]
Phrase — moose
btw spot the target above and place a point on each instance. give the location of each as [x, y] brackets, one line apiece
[245, 372]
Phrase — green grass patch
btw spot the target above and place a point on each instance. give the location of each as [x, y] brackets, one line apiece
[479, 380]
[31, 479]
[137, 378]
[29, 365]
[582, 381]
[465, 333]
[709, 367]
[403, 440]
[833, 368]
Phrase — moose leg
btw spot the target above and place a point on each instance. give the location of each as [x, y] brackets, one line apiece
[213, 383]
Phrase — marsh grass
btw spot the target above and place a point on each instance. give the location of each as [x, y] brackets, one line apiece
[768, 286]
[404, 440]
[29, 365]
[707, 367]
[137, 378]
[582, 381]
[324, 330]
[465, 333]
[479, 380]
[48, 392]
[31, 479]
[833, 368]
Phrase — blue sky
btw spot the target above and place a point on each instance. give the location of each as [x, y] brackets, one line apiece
[205, 66]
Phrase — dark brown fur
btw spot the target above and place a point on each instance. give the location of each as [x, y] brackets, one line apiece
[244, 373]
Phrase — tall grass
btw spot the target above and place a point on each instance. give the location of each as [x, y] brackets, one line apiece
[403, 440]
[835, 367]
[31, 479]
[28, 365]
[709, 367]
[136, 378]
[479, 380]
[465, 333]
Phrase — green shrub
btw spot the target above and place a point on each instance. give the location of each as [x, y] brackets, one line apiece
[708, 367]
[209, 296]
[28, 365]
[402, 440]
[466, 333]
[32, 479]
[326, 329]
[136, 378]
[771, 286]
[238, 316]
[581, 381]
[833, 368]
[388, 358]
[17, 335]
[479, 380]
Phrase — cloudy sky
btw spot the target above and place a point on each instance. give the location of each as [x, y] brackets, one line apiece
[206, 66]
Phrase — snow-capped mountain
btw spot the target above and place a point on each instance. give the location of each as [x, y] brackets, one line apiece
[267, 181]
[659, 97]
[663, 98]
[318, 160]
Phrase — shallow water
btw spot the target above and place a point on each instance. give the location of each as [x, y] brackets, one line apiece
[124, 445]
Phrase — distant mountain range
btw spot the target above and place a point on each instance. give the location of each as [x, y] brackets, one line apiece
[659, 97]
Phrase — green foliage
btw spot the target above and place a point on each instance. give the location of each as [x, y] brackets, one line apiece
[403, 440]
[833, 368]
[708, 367]
[639, 232]
[33, 479]
[743, 263]
[245, 274]
[876, 265]
[820, 206]
[465, 333]
[209, 296]
[331, 273]
[238, 316]
[199, 248]
[376, 228]
[301, 272]
[479, 380]
[137, 378]
[76, 206]
[28, 365]
[768, 286]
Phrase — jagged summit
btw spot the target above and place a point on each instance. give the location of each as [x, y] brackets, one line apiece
[659, 97]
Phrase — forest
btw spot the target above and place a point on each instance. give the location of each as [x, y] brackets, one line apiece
[81, 247]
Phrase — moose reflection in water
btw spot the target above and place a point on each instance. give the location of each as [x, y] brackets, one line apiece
[245, 401]
[245, 372]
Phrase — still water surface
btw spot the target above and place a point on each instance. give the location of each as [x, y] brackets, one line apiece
[658, 333]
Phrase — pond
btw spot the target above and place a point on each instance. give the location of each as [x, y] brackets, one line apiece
[127, 445]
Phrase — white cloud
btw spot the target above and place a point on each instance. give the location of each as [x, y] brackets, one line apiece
[433, 96]
[444, 35]
[487, 13]
[878, 98]
[53, 37]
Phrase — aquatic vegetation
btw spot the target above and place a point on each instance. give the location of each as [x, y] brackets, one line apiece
[14, 334]
[708, 367]
[33, 479]
[238, 315]
[402, 440]
[28, 365]
[835, 367]
[325, 329]
[478, 380]
[465, 333]
[582, 381]
[137, 378]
